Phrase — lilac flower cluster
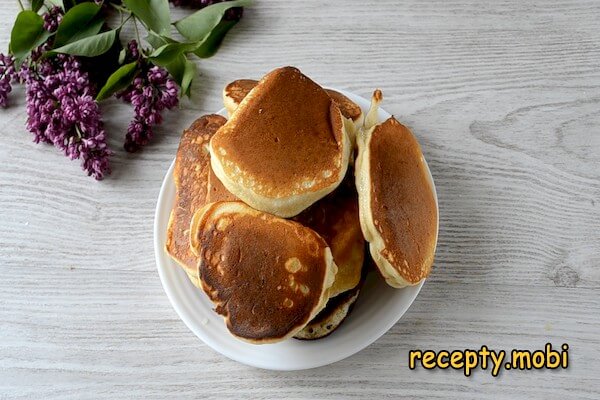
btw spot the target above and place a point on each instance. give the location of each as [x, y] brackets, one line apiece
[61, 110]
[52, 18]
[233, 14]
[8, 74]
[151, 92]
[61, 89]
[133, 51]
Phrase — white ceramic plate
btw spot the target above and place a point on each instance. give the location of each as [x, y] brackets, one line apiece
[377, 309]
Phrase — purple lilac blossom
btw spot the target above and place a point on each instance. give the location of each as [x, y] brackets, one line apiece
[52, 18]
[8, 74]
[133, 51]
[61, 110]
[151, 92]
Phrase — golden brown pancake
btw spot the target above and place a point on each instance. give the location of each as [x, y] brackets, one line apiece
[216, 190]
[331, 317]
[349, 109]
[398, 210]
[285, 147]
[336, 219]
[192, 166]
[234, 93]
[267, 276]
[337, 310]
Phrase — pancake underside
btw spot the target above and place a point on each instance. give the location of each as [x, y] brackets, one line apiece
[331, 317]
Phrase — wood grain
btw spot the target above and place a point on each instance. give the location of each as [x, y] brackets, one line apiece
[505, 99]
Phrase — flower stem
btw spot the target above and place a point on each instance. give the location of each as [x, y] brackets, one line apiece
[137, 32]
[21, 5]
[124, 21]
[78, 131]
[118, 7]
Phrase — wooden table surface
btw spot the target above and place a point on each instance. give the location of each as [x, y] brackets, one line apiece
[504, 97]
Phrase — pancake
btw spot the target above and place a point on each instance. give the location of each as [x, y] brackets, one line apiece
[398, 211]
[349, 109]
[331, 317]
[285, 147]
[234, 93]
[267, 276]
[194, 279]
[191, 171]
[336, 219]
[216, 190]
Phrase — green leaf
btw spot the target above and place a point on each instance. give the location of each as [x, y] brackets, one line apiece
[91, 46]
[189, 72]
[93, 28]
[76, 24]
[119, 80]
[175, 66]
[155, 14]
[198, 26]
[157, 40]
[36, 5]
[169, 51]
[122, 55]
[27, 34]
[209, 47]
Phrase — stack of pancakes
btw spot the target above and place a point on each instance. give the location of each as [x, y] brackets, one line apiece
[270, 219]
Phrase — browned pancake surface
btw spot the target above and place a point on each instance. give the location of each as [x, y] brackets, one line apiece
[238, 89]
[216, 190]
[289, 132]
[336, 219]
[348, 108]
[192, 166]
[402, 201]
[265, 274]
